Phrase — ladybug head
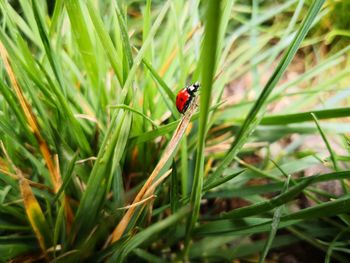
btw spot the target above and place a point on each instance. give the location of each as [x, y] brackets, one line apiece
[193, 88]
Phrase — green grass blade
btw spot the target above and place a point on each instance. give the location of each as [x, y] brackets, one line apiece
[143, 254]
[125, 37]
[163, 130]
[67, 177]
[61, 94]
[332, 246]
[331, 152]
[247, 191]
[141, 53]
[56, 16]
[48, 48]
[326, 209]
[305, 116]
[268, 205]
[59, 227]
[12, 247]
[9, 97]
[174, 189]
[148, 233]
[256, 112]
[330, 149]
[78, 66]
[106, 41]
[126, 107]
[244, 250]
[97, 186]
[208, 58]
[164, 89]
[209, 184]
[259, 225]
[16, 21]
[185, 180]
[83, 39]
[275, 221]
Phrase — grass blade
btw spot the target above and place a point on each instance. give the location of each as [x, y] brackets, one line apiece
[32, 122]
[97, 186]
[83, 39]
[326, 209]
[333, 156]
[253, 118]
[305, 116]
[126, 107]
[331, 152]
[61, 94]
[146, 44]
[47, 45]
[268, 205]
[67, 177]
[36, 217]
[106, 41]
[164, 88]
[125, 37]
[258, 225]
[168, 152]
[147, 233]
[275, 222]
[208, 59]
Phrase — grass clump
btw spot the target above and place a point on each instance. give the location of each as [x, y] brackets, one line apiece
[96, 164]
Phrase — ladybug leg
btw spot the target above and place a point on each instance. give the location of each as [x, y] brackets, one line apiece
[188, 103]
[195, 101]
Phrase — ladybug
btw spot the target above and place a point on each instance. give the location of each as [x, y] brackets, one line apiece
[185, 97]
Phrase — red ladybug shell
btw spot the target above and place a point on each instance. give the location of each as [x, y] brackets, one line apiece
[183, 100]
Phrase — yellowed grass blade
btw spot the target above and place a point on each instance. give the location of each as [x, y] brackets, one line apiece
[138, 203]
[149, 193]
[32, 208]
[31, 119]
[35, 215]
[33, 124]
[171, 147]
[31, 183]
[153, 187]
[4, 168]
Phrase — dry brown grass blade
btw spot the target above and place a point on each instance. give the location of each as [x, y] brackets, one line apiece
[152, 188]
[4, 168]
[31, 183]
[171, 147]
[143, 201]
[32, 122]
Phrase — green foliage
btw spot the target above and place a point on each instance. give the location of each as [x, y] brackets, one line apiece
[101, 78]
